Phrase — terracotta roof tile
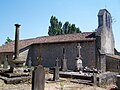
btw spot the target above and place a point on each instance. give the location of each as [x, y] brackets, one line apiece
[86, 36]
[66, 38]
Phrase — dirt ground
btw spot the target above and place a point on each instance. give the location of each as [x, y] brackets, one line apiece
[64, 85]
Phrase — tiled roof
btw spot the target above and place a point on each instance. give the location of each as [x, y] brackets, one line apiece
[10, 46]
[86, 36]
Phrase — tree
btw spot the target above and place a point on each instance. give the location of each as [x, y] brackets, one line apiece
[78, 30]
[8, 40]
[56, 27]
[71, 29]
[65, 28]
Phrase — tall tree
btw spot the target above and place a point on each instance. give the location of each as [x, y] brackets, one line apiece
[8, 40]
[73, 29]
[56, 27]
[65, 27]
[78, 30]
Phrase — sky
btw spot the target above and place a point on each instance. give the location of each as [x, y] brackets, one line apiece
[34, 16]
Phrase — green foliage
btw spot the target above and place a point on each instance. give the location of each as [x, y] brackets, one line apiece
[8, 40]
[56, 27]
[65, 27]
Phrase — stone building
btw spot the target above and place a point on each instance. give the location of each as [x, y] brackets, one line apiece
[97, 48]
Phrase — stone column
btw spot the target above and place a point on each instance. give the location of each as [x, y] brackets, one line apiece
[16, 47]
[17, 41]
[64, 61]
[101, 61]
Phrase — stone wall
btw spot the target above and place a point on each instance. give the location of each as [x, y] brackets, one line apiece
[106, 78]
[88, 54]
[113, 63]
[49, 52]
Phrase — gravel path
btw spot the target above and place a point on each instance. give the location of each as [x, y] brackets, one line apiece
[53, 86]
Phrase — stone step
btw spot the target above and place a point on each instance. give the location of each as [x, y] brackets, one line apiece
[75, 75]
[15, 80]
[80, 81]
[12, 75]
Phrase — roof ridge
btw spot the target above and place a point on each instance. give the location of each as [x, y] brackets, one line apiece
[65, 34]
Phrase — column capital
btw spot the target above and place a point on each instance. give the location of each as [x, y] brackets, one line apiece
[17, 25]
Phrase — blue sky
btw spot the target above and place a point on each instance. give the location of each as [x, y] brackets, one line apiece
[34, 16]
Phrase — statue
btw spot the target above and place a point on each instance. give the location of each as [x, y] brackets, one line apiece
[78, 65]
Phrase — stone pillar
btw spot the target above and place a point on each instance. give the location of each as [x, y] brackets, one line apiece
[64, 65]
[101, 60]
[17, 41]
[102, 63]
[16, 47]
[38, 78]
[64, 61]
[56, 71]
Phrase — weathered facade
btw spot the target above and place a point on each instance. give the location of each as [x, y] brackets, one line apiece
[104, 33]
[113, 63]
[49, 52]
[95, 47]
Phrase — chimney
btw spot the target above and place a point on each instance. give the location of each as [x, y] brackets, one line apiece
[16, 47]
